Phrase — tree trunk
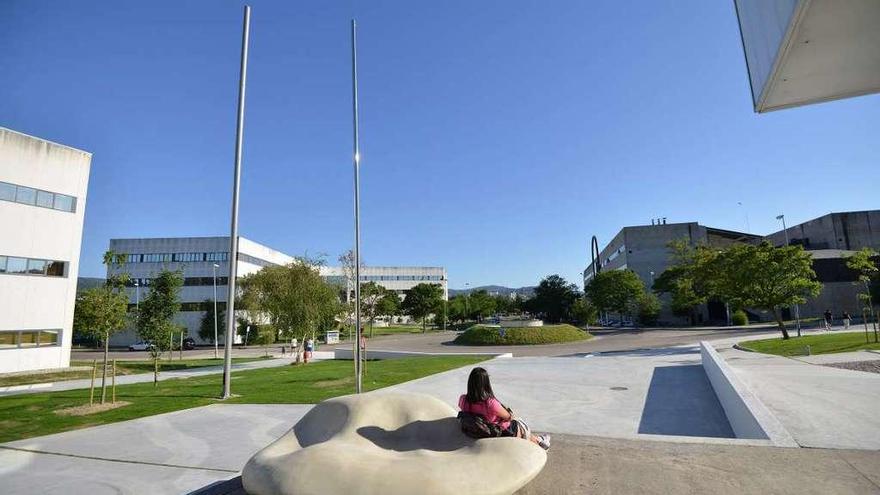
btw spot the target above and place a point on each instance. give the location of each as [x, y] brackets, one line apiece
[156, 370]
[424, 324]
[371, 328]
[781, 324]
[104, 371]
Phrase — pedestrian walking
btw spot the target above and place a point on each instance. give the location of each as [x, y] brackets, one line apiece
[309, 347]
[828, 319]
[846, 320]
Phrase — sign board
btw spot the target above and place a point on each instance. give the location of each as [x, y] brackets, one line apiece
[331, 337]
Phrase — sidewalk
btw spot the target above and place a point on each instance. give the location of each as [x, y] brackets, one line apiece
[148, 377]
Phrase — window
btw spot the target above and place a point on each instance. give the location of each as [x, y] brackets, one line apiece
[8, 340]
[16, 265]
[45, 199]
[26, 195]
[65, 203]
[7, 191]
[48, 337]
[36, 267]
[2, 264]
[28, 339]
[55, 268]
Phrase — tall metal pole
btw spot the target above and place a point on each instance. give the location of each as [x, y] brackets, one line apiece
[233, 231]
[357, 211]
[797, 307]
[216, 344]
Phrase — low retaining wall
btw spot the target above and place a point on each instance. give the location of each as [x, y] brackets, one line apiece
[348, 353]
[747, 415]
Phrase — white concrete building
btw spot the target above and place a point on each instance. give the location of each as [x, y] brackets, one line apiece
[197, 257]
[43, 189]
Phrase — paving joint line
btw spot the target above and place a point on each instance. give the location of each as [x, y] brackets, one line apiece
[107, 459]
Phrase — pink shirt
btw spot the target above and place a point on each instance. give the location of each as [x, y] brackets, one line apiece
[490, 409]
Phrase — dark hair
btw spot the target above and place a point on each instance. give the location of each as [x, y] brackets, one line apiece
[479, 389]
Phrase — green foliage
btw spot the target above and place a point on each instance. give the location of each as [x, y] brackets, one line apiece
[421, 301]
[294, 298]
[689, 279]
[371, 294]
[615, 291]
[157, 310]
[584, 312]
[389, 304]
[647, 308]
[739, 318]
[100, 312]
[206, 327]
[548, 334]
[480, 305]
[553, 299]
[457, 308]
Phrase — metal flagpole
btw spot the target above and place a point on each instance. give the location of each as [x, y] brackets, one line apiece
[357, 212]
[233, 231]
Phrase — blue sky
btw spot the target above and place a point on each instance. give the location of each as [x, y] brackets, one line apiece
[497, 137]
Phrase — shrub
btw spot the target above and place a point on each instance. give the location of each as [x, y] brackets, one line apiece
[549, 334]
[739, 318]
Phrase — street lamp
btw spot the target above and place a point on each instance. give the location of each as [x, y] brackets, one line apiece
[216, 266]
[137, 297]
[797, 307]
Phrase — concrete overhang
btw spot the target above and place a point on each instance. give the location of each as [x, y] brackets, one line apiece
[800, 52]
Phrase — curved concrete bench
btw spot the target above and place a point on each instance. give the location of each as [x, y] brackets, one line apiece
[389, 443]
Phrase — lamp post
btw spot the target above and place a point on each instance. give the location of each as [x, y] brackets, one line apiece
[797, 307]
[137, 297]
[216, 266]
[357, 210]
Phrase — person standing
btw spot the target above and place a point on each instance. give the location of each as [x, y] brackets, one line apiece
[309, 346]
[828, 319]
[846, 320]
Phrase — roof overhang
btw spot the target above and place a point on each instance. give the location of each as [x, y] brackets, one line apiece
[800, 52]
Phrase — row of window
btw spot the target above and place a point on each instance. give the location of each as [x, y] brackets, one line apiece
[254, 261]
[31, 266]
[389, 278]
[187, 282]
[193, 306]
[16, 339]
[36, 197]
[175, 257]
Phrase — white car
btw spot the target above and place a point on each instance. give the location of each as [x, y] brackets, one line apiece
[140, 346]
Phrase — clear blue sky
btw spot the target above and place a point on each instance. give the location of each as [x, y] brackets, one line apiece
[497, 137]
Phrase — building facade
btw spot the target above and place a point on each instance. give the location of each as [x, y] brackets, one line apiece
[43, 189]
[202, 258]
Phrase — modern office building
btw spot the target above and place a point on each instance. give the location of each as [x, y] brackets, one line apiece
[202, 258]
[43, 189]
[644, 249]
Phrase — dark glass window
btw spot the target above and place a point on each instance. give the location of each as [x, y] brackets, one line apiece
[8, 340]
[55, 268]
[45, 199]
[7, 191]
[26, 195]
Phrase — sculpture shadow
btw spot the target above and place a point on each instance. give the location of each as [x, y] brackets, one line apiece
[321, 423]
[440, 435]
[681, 401]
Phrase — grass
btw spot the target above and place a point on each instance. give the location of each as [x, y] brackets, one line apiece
[548, 334]
[393, 330]
[123, 367]
[25, 416]
[826, 343]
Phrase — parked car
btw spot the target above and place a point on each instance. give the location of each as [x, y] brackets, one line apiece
[189, 344]
[140, 346]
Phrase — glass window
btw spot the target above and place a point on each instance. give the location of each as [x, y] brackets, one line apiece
[28, 339]
[16, 265]
[45, 199]
[37, 267]
[8, 340]
[65, 203]
[55, 268]
[2, 264]
[26, 195]
[7, 191]
[48, 337]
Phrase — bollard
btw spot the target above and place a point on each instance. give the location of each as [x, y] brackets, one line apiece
[114, 381]
[92, 386]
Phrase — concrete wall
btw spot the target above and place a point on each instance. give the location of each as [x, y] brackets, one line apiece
[848, 231]
[32, 302]
[747, 415]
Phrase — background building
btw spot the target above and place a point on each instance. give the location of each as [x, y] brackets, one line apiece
[43, 189]
[196, 257]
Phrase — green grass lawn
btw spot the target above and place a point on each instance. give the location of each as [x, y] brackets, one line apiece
[825, 343]
[395, 330]
[547, 334]
[123, 367]
[31, 415]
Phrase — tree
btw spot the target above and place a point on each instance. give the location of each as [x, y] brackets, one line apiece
[293, 298]
[101, 312]
[689, 280]
[157, 311]
[456, 308]
[765, 277]
[371, 294]
[388, 305]
[480, 304]
[863, 263]
[421, 301]
[206, 327]
[647, 308]
[616, 291]
[583, 312]
[553, 299]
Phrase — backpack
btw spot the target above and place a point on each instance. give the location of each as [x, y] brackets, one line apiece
[476, 426]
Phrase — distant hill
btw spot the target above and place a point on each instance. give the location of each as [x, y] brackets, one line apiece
[83, 283]
[496, 290]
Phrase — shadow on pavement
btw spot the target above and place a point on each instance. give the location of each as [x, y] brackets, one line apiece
[681, 401]
[654, 352]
